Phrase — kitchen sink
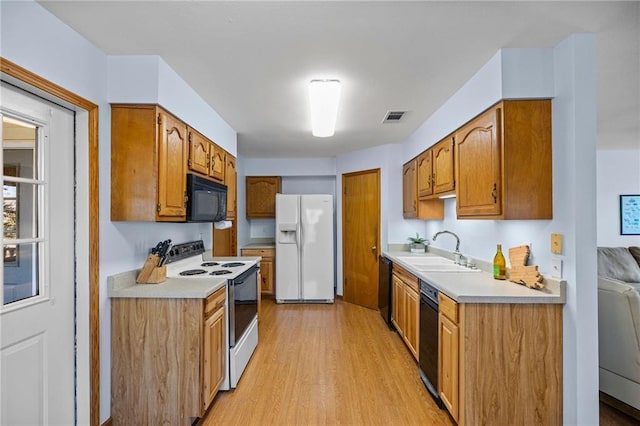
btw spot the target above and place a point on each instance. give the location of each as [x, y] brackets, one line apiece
[434, 264]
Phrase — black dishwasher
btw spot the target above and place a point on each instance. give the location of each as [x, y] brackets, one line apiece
[384, 289]
[428, 356]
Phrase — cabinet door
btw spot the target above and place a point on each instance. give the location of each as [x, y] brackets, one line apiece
[448, 356]
[213, 356]
[172, 153]
[217, 165]
[398, 306]
[230, 179]
[409, 190]
[412, 319]
[444, 179]
[199, 148]
[478, 166]
[222, 242]
[425, 174]
[266, 270]
[261, 196]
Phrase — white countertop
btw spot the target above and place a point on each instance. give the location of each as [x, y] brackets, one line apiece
[259, 243]
[481, 287]
[124, 284]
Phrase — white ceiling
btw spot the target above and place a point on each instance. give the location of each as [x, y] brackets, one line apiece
[252, 61]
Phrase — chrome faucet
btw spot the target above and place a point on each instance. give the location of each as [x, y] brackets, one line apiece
[457, 255]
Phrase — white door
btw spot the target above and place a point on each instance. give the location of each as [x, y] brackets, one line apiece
[316, 212]
[287, 247]
[37, 311]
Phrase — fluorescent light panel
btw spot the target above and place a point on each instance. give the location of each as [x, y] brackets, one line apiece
[324, 95]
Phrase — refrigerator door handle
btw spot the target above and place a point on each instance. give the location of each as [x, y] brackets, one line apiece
[301, 258]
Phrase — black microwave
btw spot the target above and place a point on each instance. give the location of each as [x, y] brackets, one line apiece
[206, 200]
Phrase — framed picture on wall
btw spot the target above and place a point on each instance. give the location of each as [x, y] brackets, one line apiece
[630, 214]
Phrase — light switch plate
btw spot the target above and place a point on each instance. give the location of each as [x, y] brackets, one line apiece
[556, 243]
[556, 268]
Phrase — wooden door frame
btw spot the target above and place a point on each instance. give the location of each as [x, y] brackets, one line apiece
[11, 69]
[378, 209]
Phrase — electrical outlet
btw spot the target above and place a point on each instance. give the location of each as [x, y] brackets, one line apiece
[556, 268]
[556, 243]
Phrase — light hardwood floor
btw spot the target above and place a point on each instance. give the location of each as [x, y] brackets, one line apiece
[327, 365]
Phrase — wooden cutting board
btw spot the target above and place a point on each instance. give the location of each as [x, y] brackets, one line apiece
[521, 273]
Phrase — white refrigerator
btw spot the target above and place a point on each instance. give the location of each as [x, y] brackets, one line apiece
[304, 248]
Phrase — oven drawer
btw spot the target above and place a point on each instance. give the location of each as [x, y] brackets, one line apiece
[448, 307]
[215, 301]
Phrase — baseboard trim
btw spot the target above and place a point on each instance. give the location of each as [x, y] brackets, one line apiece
[620, 406]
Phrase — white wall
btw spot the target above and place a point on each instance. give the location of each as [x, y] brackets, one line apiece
[323, 166]
[618, 172]
[148, 79]
[574, 150]
[52, 50]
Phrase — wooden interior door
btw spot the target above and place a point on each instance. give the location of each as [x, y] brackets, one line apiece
[360, 237]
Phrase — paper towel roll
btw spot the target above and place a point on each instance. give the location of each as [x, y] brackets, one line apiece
[223, 224]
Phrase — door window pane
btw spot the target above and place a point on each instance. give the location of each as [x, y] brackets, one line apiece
[21, 279]
[21, 195]
[20, 210]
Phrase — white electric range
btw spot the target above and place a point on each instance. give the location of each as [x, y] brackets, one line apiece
[185, 261]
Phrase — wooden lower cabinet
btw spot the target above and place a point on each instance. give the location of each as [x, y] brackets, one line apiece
[412, 319]
[213, 351]
[405, 313]
[167, 358]
[267, 268]
[398, 308]
[448, 357]
[501, 363]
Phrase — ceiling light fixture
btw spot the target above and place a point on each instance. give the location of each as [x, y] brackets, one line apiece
[324, 95]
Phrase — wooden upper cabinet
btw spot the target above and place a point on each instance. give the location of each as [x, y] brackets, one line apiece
[230, 179]
[261, 196]
[425, 174]
[412, 206]
[205, 157]
[503, 162]
[198, 153]
[217, 162]
[172, 178]
[409, 190]
[148, 164]
[478, 166]
[443, 176]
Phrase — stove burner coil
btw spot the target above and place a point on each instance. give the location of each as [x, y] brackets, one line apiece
[205, 264]
[221, 272]
[193, 272]
[232, 265]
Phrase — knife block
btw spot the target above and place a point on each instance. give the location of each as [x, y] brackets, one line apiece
[151, 273]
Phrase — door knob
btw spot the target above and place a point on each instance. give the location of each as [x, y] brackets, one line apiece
[374, 248]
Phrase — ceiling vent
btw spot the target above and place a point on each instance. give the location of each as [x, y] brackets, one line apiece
[393, 116]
